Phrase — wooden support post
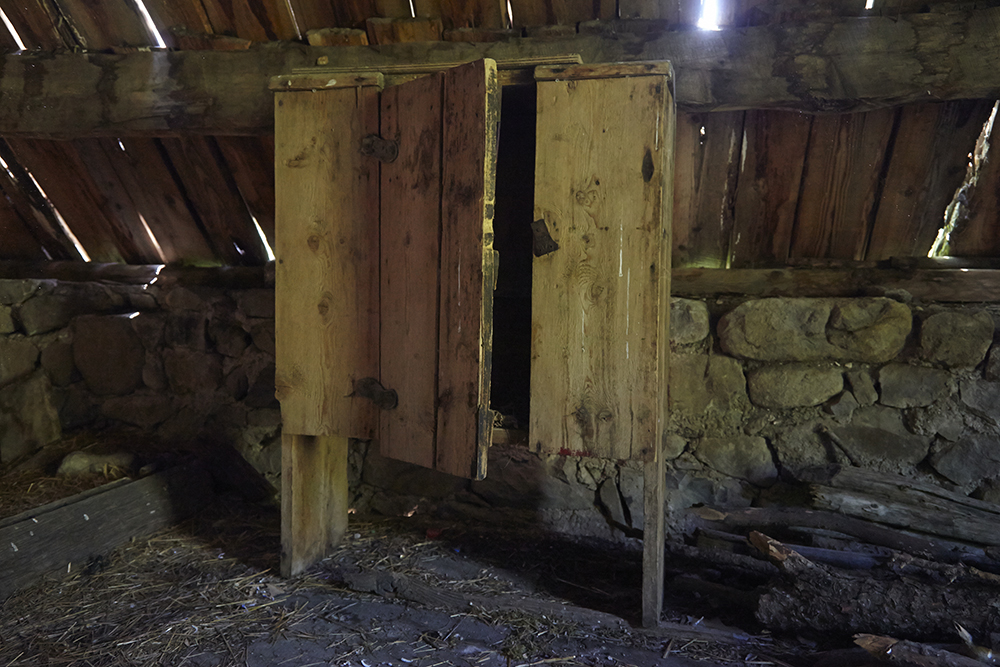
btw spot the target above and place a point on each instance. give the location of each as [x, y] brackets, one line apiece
[653, 541]
[314, 498]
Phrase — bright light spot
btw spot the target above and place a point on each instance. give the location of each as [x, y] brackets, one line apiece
[510, 15]
[13, 33]
[263, 239]
[152, 239]
[134, 315]
[869, 4]
[964, 270]
[150, 26]
[701, 130]
[59, 219]
[121, 145]
[238, 248]
[413, 11]
[412, 511]
[709, 15]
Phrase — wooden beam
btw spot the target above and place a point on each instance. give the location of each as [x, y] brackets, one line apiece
[945, 285]
[812, 67]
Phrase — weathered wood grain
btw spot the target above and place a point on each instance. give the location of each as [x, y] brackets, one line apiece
[68, 533]
[396, 31]
[250, 160]
[840, 186]
[256, 20]
[105, 24]
[314, 498]
[707, 155]
[932, 285]
[485, 14]
[601, 159]
[768, 188]
[929, 159]
[471, 118]
[172, 16]
[18, 241]
[410, 222]
[326, 321]
[36, 24]
[811, 67]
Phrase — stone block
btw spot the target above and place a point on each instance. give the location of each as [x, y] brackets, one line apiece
[673, 446]
[149, 328]
[992, 370]
[181, 298]
[743, 456]
[83, 463]
[862, 386]
[688, 321]
[256, 302]
[77, 406]
[191, 371]
[407, 479]
[57, 361]
[841, 406]
[266, 417]
[794, 385]
[802, 446]
[983, 397]
[906, 386]
[142, 410]
[870, 330]
[970, 460]
[186, 329]
[944, 418]
[684, 490]
[18, 356]
[956, 338]
[262, 332]
[229, 338]
[108, 353]
[28, 417]
[880, 449]
[260, 393]
[7, 324]
[153, 375]
[707, 392]
[14, 292]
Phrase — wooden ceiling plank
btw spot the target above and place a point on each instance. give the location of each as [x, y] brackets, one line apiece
[839, 189]
[214, 197]
[975, 234]
[707, 159]
[528, 13]
[250, 160]
[65, 178]
[256, 20]
[928, 164]
[396, 31]
[487, 14]
[105, 24]
[313, 14]
[35, 213]
[768, 189]
[35, 22]
[178, 16]
[18, 240]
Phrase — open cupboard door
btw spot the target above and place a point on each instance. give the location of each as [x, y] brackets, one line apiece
[385, 272]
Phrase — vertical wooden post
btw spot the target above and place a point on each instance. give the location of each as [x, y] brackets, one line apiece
[653, 541]
[314, 498]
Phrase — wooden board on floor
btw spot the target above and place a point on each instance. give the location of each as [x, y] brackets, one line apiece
[326, 312]
[840, 184]
[767, 193]
[602, 155]
[64, 535]
[314, 498]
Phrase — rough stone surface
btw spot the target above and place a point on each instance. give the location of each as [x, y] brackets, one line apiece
[992, 370]
[688, 321]
[841, 406]
[794, 385]
[262, 333]
[191, 372]
[870, 330]
[149, 327]
[256, 302]
[142, 410]
[906, 386]
[108, 353]
[47, 313]
[684, 490]
[983, 397]
[742, 456]
[82, 463]
[181, 298]
[14, 292]
[881, 449]
[28, 418]
[17, 358]
[956, 339]
[862, 386]
[673, 446]
[944, 418]
[801, 446]
[6, 321]
[57, 361]
[970, 460]
[708, 392]
[186, 329]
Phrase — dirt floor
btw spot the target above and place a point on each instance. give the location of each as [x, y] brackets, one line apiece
[408, 592]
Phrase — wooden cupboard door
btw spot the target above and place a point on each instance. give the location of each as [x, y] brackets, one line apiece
[438, 268]
[600, 289]
[326, 247]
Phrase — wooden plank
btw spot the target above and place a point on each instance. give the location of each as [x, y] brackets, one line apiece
[602, 154]
[256, 20]
[62, 174]
[131, 175]
[810, 67]
[707, 149]
[551, 12]
[486, 14]
[928, 164]
[974, 234]
[410, 257]
[471, 121]
[68, 533]
[314, 498]
[105, 24]
[395, 31]
[171, 16]
[674, 12]
[207, 184]
[767, 191]
[326, 320]
[250, 160]
[18, 241]
[653, 540]
[313, 14]
[35, 24]
[840, 184]
[337, 37]
[931, 285]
